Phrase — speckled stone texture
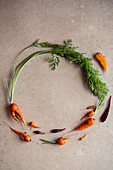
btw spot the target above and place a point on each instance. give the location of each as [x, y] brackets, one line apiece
[55, 99]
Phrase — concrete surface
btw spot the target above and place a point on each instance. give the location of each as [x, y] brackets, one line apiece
[55, 99]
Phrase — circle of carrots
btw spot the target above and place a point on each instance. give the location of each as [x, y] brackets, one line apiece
[33, 124]
[89, 122]
[102, 60]
[62, 140]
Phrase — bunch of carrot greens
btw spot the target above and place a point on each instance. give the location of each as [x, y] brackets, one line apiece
[68, 51]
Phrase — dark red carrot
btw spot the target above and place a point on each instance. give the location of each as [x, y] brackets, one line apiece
[57, 130]
[105, 114]
[38, 132]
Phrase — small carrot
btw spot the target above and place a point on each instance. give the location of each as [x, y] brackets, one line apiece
[33, 125]
[83, 137]
[23, 135]
[89, 114]
[89, 122]
[16, 112]
[91, 107]
[59, 141]
[102, 60]
[62, 140]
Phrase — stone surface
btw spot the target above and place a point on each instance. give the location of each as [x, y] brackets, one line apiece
[55, 99]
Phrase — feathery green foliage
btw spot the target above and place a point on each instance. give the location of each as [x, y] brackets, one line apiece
[67, 50]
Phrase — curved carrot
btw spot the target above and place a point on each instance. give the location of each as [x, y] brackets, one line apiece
[102, 60]
[15, 111]
[89, 114]
[89, 122]
[33, 124]
[22, 134]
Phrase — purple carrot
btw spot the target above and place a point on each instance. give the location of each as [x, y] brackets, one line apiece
[57, 130]
[105, 114]
[38, 132]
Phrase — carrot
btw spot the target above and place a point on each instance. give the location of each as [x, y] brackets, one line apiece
[62, 140]
[105, 114]
[83, 137]
[91, 107]
[102, 60]
[89, 122]
[59, 141]
[89, 114]
[23, 135]
[16, 112]
[33, 125]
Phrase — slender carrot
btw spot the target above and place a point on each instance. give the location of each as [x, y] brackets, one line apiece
[89, 122]
[23, 135]
[91, 107]
[57, 130]
[105, 114]
[102, 60]
[83, 137]
[16, 112]
[62, 140]
[38, 132]
[33, 124]
[89, 114]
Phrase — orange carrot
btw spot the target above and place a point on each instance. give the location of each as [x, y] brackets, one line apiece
[24, 136]
[102, 60]
[83, 137]
[89, 114]
[89, 122]
[62, 140]
[33, 125]
[91, 107]
[16, 112]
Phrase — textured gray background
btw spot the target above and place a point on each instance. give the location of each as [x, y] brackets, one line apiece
[55, 99]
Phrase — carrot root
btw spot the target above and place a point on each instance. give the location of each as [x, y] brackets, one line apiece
[89, 114]
[89, 122]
